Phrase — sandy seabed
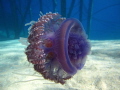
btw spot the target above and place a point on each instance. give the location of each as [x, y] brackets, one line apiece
[101, 71]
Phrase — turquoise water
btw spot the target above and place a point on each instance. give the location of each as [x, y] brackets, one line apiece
[101, 21]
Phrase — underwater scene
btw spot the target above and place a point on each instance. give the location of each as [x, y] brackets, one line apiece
[59, 44]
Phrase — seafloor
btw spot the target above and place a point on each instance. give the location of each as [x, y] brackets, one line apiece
[101, 71]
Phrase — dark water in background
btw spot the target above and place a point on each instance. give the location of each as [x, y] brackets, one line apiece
[100, 18]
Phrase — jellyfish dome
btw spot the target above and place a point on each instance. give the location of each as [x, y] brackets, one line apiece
[58, 47]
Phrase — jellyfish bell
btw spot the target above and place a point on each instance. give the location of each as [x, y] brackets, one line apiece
[57, 47]
[69, 36]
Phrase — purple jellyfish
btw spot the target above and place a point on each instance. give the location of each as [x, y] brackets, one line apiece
[58, 47]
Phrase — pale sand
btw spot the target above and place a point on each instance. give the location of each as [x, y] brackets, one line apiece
[101, 71]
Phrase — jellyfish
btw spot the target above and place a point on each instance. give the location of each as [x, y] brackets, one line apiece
[57, 47]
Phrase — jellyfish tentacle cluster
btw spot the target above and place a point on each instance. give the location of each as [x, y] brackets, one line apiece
[58, 47]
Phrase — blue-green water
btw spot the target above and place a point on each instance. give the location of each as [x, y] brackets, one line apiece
[101, 21]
